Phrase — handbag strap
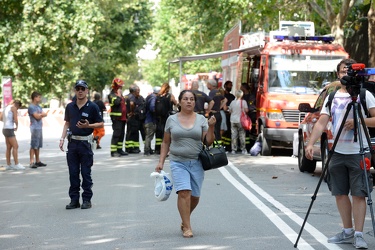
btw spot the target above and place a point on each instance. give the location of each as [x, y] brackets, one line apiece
[242, 111]
[214, 143]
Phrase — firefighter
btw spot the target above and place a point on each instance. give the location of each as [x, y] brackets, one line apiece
[250, 98]
[219, 103]
[136, 106]
[227, 137]
[118, 117]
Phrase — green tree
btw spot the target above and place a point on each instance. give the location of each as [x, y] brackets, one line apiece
[119, 37]
[47, 45]
[42, 43]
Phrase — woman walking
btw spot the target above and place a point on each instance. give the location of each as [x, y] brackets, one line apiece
[183, 137]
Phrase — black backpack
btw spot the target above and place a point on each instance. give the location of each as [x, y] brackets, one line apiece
[362, 98]
[163, 105]
[140, 110]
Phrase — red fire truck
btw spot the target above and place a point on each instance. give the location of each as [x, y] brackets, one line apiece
[284, 68]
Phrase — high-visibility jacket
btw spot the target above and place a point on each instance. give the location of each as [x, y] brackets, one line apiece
[115, 104]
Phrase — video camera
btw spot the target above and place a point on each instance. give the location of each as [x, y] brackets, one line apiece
[355, 78]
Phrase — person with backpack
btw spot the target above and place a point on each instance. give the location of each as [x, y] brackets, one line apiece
[344, 169]
[136, 107]
[163, 106]
[150, 122]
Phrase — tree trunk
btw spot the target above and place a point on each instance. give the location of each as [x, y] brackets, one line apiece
[371, 34]
[338, 33]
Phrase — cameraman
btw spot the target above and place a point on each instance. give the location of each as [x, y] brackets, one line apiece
[344, 171]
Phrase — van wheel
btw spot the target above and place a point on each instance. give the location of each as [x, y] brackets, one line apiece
[304, 164]
[266, 143]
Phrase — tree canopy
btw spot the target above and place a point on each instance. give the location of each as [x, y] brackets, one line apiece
[189, 27]
[47, 45]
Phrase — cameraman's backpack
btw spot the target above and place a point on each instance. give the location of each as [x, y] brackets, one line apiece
[362, 98]
[163, 105]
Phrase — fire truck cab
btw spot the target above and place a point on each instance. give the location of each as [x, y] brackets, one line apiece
[284, 68]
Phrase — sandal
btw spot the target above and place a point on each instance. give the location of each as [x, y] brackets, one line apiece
[187, 234]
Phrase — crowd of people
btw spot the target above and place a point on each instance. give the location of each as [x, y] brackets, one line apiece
[147, 116]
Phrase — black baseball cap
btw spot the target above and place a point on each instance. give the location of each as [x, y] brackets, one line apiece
[81, 83]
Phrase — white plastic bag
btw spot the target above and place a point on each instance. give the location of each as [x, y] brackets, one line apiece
[163, 185]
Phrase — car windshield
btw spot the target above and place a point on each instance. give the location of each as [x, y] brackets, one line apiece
[301, 74]
[326, 91]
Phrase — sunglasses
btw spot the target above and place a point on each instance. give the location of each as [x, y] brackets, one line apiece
[80, 88]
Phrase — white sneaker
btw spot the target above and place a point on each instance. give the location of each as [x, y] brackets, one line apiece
[244, 152]
[233, 152]
[18, 166]
[8, 167]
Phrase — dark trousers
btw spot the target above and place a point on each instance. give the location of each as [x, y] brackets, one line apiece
[117, 141]
[218, 126]
[80, 160]
[132, 133]
[159, 133]
[227, 137]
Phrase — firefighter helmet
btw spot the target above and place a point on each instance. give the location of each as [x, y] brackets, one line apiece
[117, 83]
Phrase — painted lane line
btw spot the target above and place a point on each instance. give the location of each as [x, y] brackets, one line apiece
[321, 238]
[276, 220]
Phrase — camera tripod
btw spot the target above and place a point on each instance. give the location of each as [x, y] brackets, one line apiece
[358, 123]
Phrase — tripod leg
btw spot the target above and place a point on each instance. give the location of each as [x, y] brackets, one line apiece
[325, 168]
[362, 152]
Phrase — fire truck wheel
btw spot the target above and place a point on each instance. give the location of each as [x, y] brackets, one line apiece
[304, 164]
[266, 143]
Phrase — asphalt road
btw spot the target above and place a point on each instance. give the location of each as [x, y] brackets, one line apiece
[253, 203]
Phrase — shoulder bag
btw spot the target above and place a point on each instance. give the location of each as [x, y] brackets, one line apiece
[245, 119]
[213, 157]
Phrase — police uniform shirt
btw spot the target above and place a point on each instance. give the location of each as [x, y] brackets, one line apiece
[90, 111]
[201, 99]
[217, 97]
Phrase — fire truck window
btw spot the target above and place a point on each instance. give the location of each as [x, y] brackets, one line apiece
[274, 79]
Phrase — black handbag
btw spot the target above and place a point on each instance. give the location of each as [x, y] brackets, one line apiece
[213, 157]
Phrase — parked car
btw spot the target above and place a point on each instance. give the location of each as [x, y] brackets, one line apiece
[322, 145]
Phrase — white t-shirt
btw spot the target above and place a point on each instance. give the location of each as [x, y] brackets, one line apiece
[235, 110]
[8, 118]
[346, 144]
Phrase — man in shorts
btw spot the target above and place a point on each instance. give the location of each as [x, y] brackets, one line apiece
[36, 115]
[344, 169]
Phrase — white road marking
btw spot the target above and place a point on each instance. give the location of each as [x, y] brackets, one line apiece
[276, 220]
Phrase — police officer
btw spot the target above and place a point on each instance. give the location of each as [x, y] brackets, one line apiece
[118, 117]
[136, 113]
[81, 117]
